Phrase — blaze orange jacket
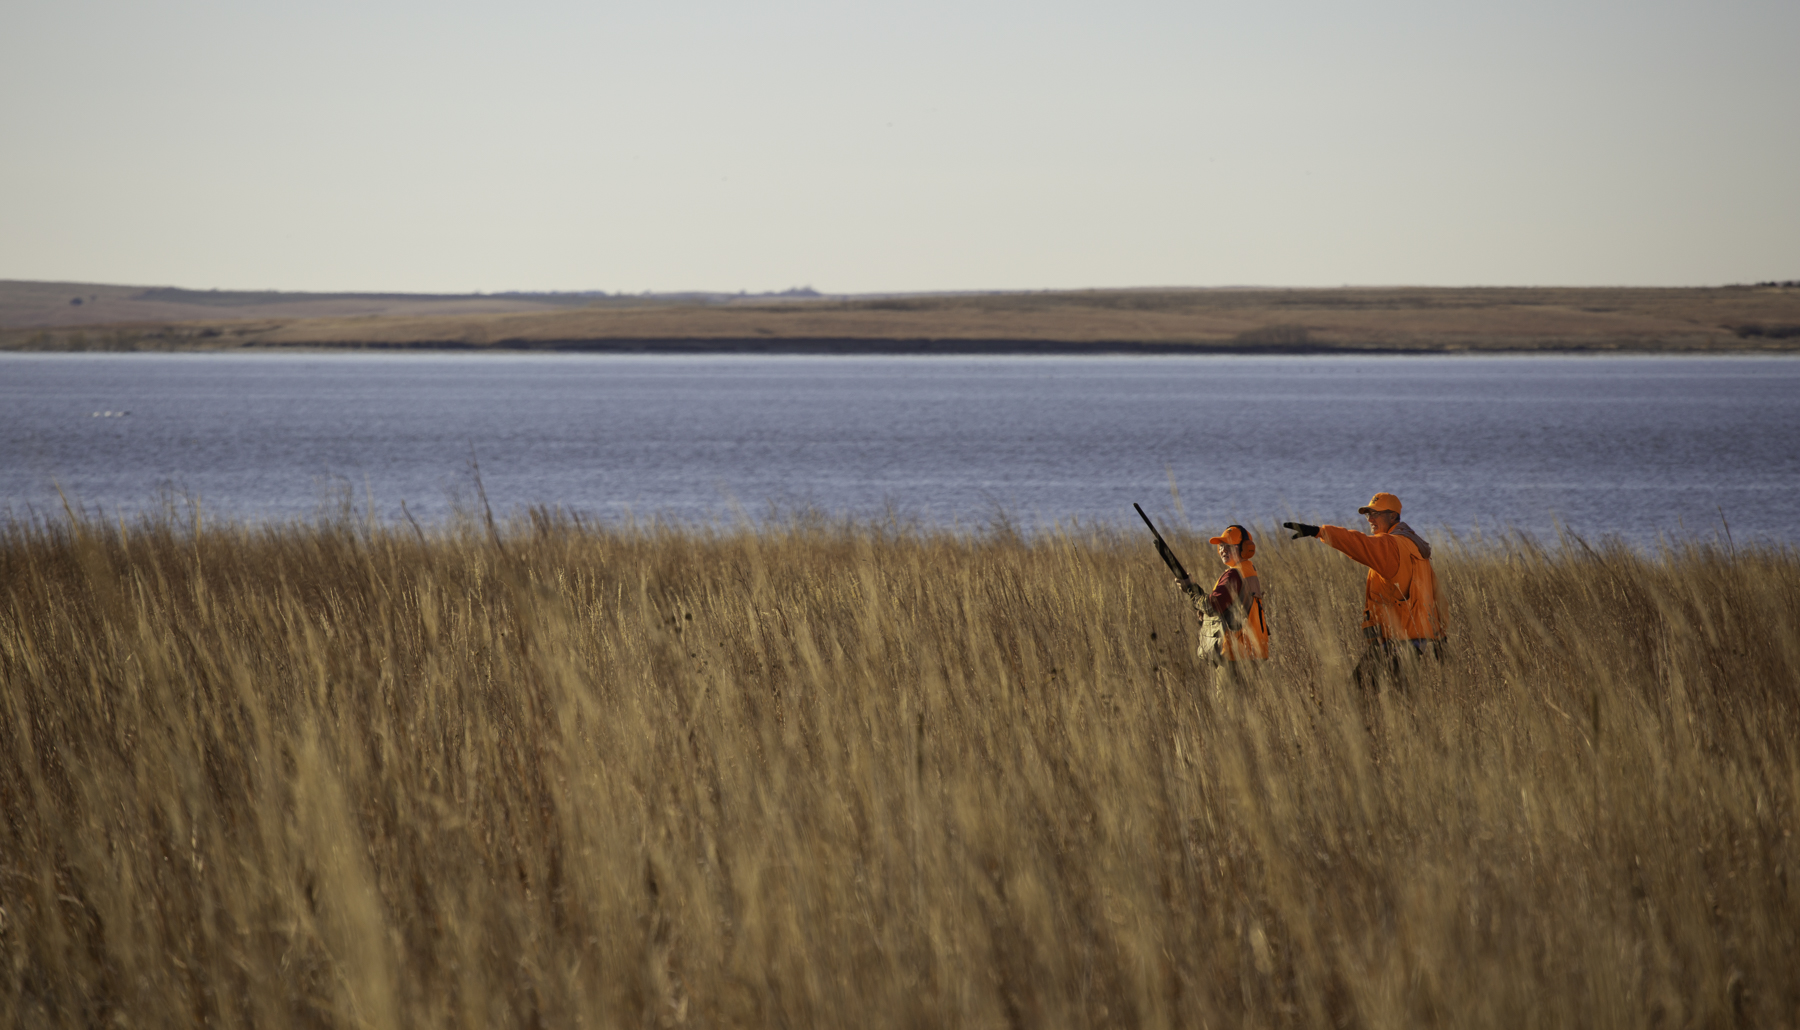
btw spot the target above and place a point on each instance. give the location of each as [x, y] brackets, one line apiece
[1401, 599]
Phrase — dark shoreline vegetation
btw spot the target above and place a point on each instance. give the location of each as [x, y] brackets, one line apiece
[1762, 319]
[544, 773]
[880, 347]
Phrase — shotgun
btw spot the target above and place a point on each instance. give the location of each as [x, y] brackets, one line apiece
[1162, 548]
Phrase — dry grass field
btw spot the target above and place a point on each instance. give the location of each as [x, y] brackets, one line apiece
[554, 775]
[1252, 320]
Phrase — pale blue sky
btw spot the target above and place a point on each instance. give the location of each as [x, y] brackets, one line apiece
[858, 147]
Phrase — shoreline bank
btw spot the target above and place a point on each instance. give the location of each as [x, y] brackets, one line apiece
[869, 347]
[1176, 321]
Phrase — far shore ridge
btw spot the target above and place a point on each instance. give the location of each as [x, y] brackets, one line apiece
[1759, 318]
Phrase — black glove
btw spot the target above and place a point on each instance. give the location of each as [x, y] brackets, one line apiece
[1300, 529]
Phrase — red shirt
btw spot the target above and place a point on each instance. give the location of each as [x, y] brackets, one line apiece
[1226, 591]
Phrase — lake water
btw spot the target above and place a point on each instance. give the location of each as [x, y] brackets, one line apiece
[1626, 446]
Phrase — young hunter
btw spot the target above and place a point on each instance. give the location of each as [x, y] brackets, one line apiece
[1232, 626]
[1402, 617]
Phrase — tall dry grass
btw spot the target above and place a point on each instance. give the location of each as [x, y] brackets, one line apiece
[342, 776]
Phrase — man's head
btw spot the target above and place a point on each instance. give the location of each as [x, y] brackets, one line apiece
[1234, 544]
[1383, 512]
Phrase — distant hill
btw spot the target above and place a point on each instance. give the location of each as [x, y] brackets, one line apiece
[47, 305]
[1764, 317]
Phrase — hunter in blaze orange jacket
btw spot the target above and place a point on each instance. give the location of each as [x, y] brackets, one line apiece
[1233, 627]
[1401, 600]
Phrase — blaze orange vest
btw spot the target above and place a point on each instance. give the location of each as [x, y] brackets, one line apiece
[1404, 608]
[1250, 640]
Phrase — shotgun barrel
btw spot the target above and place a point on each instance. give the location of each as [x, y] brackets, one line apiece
[1162, 547]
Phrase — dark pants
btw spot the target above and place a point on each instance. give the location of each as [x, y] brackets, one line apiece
[1393, 661]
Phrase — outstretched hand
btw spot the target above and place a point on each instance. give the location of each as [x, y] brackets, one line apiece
[1300, 529]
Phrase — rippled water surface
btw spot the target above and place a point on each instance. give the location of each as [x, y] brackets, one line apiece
[1607, 445]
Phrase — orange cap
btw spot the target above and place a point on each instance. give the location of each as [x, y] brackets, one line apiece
[1236, 536]
[1381, 502]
